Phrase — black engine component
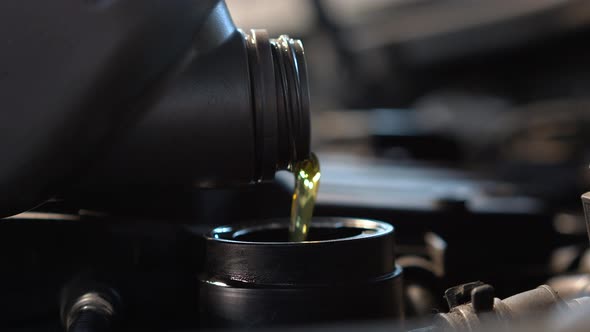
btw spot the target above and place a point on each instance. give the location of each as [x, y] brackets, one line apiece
[89, 306]
[346, 271]
[473, 307]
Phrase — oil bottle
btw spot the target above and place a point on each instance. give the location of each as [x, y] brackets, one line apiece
[175, 96]
[232, 113]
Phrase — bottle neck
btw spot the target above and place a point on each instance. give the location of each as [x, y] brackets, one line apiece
[280, 98]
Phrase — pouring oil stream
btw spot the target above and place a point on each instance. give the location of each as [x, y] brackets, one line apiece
[307, 182]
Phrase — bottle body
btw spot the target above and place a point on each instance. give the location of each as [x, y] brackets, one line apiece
[232, 114]
[200, 104]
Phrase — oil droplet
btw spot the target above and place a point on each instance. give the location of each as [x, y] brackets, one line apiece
[307, 181]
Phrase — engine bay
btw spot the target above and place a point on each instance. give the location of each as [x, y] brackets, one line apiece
[155, 174]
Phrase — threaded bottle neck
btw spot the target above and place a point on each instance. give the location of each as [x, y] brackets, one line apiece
[280, 97]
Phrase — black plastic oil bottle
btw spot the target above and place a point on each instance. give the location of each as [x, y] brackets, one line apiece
[109, 95]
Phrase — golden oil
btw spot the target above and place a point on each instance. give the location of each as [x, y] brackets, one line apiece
[307, 181]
